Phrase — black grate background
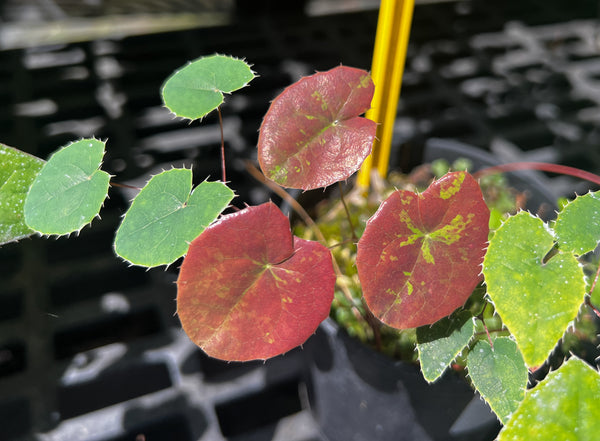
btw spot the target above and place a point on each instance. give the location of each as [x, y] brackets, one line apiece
[90, 349]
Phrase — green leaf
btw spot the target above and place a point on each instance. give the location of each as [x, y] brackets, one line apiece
[69, 190]
[164, 217]
[499, 374]
[562, 407]
[536, 299]
[578, 224]
[197, 88]
[17, 172]
[441, 342]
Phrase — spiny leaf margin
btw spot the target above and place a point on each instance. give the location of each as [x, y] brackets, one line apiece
[197, 88]
[439, 344]
[564, 406]
[167, 215]
[312, 135]
[499, 374]
[536, 299]
[577, 225]
[18, 170]
[69, 190]
[418, 256]
[248, 289]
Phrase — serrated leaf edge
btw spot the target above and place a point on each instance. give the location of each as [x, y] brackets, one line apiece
[216, 54]
[124, 215]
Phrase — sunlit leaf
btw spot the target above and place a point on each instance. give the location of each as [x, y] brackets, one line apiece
[419, 257]
[248, 289]
[562, 407]
[440, 343]
[197, 88]
[499, 374]
[536, 299]
[17, 172]
[165, 217]
[578, 224]
[69, 190]
[312, 136]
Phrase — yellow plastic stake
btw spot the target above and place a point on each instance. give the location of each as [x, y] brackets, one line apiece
[389, 55]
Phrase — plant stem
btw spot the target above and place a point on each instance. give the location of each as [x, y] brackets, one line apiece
[595, 281]
[223, 174]
[256, 174]
[374, 324]
[116, 184]
[480, 317]
[541, 166]
[354, 238]
[593, 308]
[488, 334]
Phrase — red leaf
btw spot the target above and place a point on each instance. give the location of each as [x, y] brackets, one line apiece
[248, 289]
[420, 256]
[312, 135]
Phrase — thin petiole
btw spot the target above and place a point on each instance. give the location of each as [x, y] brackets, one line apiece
[354, 238]
[116, 184]
[223, 173]
[540, 166]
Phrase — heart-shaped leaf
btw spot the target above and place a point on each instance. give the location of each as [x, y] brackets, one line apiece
[248, 289]
[69, 190]
[164, 217]
[312, 135]
[536, 299]
[562, 407]
[440, 343]
[17, 172]
[197, 88]
[578, 224]
[499, 374]
[419, 257]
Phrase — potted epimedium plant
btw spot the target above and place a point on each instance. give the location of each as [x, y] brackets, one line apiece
[249, 289]
[362, 367]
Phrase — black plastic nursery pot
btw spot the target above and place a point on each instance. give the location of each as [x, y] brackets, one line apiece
[358, 394]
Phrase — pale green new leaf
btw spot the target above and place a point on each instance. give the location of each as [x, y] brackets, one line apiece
[441, 342]
[499, 374]
[562, 407]
[535, 299]
[17, 172]
[578, 224]
[164, 217]
[69, 190]
[197, 89]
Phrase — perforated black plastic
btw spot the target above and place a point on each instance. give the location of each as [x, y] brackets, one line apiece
[91, 349]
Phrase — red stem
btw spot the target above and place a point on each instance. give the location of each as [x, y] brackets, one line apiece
[488, 334]
[222, 145]
[116, 184]
[541, 166]
[595, 281]
[341, 187]
[589, 303]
